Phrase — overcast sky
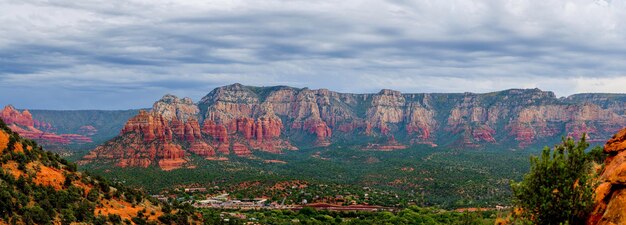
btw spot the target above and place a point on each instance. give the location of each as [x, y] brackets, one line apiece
[68, 54]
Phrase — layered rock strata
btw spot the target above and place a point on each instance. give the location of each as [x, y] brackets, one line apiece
[239, 120]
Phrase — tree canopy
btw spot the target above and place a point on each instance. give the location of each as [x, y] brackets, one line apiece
[559, 188]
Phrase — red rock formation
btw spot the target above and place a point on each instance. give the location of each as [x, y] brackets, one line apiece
[241, 149]
[610, 198]
[151, 126]
[319, 128]
[192, 130]
[484, 133]
[131, 150]
[10, 115]
[86, 130]
[216, 131]
[24, 124]
[241, 119]
[172, 124]
[544, 121]
[151, 141]
[170, 156]
[152, 138]
[201, 148]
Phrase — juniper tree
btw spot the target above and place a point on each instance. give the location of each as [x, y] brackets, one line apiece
[559, 188]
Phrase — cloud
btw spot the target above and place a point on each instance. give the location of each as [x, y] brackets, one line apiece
[127, 54]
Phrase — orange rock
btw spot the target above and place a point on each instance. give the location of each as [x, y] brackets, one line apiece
[50, 177]
[615, 172]
[617, 143]
[614, 213]
[241, 150]
[216, 131]
[610, 196]
[4, 140]
[202, 149]
[602, 191]
[317, 127]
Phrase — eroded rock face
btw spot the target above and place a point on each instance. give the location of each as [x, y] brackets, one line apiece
[158, 137]
[171, 131]
[171, 107]
[12, 116]
[523, 116]
[610, 198]
[239, 120]
[42, 132]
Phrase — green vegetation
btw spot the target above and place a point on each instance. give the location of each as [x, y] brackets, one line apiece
[25, 200]
[559, 188]
[108, 125]
[420, 175]
[410, 215]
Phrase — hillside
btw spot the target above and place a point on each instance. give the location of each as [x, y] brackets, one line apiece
[245, 121]
[39, 187]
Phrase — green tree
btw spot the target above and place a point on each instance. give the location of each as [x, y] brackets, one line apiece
[559, 187]
[67, 216]
[597, 154]
[36, 215]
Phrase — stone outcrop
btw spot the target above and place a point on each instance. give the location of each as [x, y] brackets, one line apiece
[522, 116]
[156, 137]
[169, 133]
[239, 120]
[610, 198]
[24, 124]
[12, 116]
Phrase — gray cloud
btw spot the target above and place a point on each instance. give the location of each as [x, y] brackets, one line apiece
[126, 54]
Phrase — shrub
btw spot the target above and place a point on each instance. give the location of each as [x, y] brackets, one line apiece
[559, 187]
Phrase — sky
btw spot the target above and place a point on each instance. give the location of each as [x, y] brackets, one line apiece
[67, 54]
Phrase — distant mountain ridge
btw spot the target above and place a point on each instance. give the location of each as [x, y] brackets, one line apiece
[24, 124]
[238, 120]
[59, 128]
[99, 125]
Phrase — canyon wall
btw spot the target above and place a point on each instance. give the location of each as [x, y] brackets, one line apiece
[238, 120]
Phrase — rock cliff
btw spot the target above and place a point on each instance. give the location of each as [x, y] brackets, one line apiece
[168, 134]
[239, 120]
[610, 195]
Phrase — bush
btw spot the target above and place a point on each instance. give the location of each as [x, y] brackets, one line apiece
[559, 187]
[597, 154]
[115, 219]
[67, 216]
[36, 215]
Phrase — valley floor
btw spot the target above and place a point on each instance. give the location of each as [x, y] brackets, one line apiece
[423, 176]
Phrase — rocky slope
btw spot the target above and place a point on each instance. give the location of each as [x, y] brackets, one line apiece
[27, 173]
[238, 120]
[610, 195]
